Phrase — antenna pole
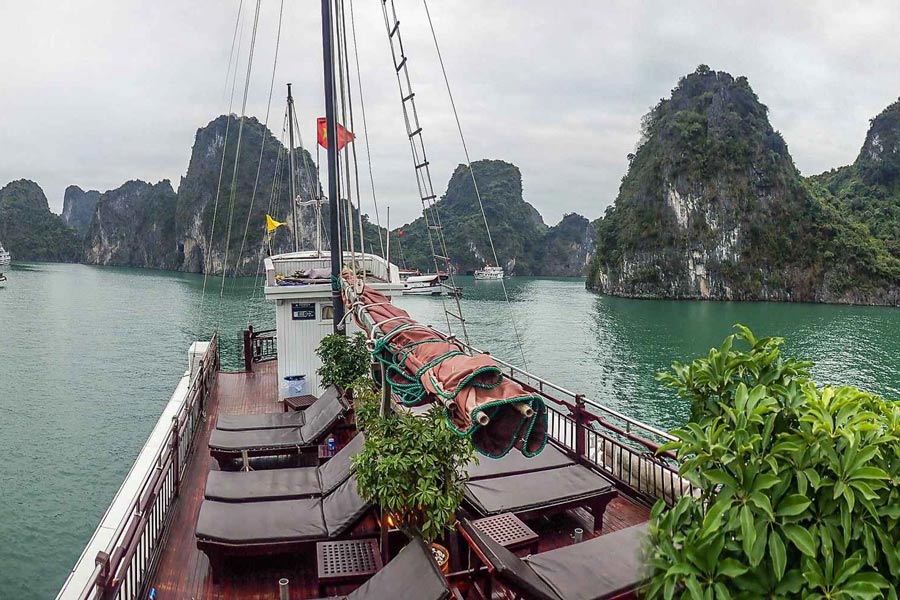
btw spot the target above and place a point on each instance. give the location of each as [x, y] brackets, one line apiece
[295, 221]
[331, 139]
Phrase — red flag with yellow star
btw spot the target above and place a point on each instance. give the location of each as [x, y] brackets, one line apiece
[344, 136]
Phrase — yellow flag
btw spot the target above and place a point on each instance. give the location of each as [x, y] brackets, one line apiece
[272, 224]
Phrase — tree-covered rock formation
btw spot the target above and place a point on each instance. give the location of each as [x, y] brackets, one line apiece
[78, 208]
[29, 230]
[713, 207]
[519, 233]
[567, 247]
[205, 226]
[134, 225]
[869, 189]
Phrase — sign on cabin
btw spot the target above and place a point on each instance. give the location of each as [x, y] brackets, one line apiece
[303, 311]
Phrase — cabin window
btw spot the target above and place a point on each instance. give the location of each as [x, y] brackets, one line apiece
[327, 312]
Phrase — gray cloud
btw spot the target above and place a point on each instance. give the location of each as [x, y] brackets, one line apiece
[96, 93]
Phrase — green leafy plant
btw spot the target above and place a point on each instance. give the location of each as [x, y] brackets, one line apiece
[344, 359]
[798, 485]
[413, 466]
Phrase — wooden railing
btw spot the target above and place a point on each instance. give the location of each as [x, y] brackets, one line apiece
[623, 448]
[123, 573]
[259, 346]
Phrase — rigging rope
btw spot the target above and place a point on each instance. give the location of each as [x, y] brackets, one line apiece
[262, 147]
[362, 106]
[474, 182]
[422, 170]
[237, 155]
[212, 228]
[259, 169]
[351, 147]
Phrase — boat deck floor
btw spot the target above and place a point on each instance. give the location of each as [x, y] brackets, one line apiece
[182, 571]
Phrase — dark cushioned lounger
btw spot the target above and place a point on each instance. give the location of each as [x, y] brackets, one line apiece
[600, 568]
[284, 484]
[411, 575]
[276, 527]
[540, 491]
[320, 418]
[277, 420]
[516, 462]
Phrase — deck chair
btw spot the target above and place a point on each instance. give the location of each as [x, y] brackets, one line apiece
[542, 492]
[603, 568]
[277, 420]
[516, 462]
[284, 484]
[225, 446]
[411, 575]
[276, 527]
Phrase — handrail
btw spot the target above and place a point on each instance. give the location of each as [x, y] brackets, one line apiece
[122, 572]
[592, 403]
[259, 346]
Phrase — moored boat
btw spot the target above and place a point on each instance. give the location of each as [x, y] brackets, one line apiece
[5, 257]
[489, 273]
[429, 285]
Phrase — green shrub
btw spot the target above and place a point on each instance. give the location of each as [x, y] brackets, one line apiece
[414, 467]
[798, 494]
[344, 359]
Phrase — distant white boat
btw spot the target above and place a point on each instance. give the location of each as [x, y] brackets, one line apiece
[429, 285]
[489, 272]
[5, 258]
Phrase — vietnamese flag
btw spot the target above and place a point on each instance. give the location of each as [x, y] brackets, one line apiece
[344, 136]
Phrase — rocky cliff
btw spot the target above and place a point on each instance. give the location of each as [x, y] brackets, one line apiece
[521, 239]
[134, 225]
[712, 207]
[29, 230]
[198, 219]
[568, 247]
[869, 189]
[78, 208]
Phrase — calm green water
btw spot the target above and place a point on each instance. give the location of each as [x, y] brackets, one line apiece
[89, 356]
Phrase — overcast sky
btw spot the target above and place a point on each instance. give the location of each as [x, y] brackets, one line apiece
[97, 92]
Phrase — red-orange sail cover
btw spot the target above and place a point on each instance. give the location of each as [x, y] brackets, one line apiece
[424, 366]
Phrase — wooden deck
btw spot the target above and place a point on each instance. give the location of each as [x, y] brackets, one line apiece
[182, 571]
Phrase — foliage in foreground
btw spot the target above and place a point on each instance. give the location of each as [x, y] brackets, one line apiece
[344, 358]
[798, 484]
[414, 467]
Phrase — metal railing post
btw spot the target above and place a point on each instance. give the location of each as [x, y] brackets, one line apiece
[580, 433]
[248, 348]
[103, 577]
[176, 463]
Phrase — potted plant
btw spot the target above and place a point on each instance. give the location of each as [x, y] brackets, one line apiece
[413, 466]
[344, 359]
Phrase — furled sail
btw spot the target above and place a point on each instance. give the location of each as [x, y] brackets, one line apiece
[424, 366]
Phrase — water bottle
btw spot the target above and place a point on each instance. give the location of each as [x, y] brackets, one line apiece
[331, 443]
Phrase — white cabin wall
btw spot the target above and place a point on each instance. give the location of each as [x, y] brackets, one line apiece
[298, 341]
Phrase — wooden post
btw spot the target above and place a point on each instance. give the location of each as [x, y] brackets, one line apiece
[580, 433]
[248, 348]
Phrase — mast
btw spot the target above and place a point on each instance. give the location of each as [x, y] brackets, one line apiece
[295, 222]
[331, 137]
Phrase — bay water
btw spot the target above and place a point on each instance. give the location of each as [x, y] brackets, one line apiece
[90, 355]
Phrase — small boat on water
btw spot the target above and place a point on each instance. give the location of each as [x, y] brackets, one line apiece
[489, 273]
[430, 285]
[2, 277]
[5, 257]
